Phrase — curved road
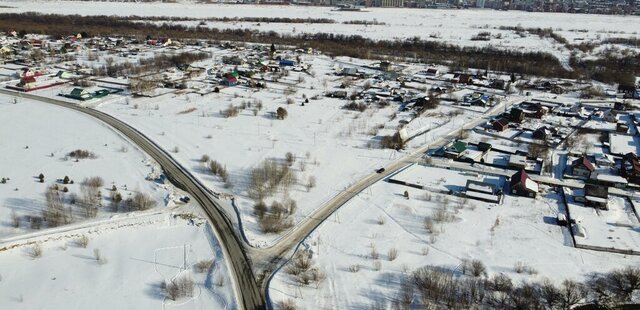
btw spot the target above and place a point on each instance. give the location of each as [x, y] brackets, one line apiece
[248, 291]
[251, 294]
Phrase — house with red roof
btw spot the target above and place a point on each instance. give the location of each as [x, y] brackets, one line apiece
[522, 185]
[501, 124]
[582, 167]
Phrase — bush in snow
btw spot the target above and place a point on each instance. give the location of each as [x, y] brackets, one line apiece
[179, 287]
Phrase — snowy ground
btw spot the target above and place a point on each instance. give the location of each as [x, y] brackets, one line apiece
[329, 143]
[136, 258]
[36, 138]
[617, 227]
[454, 26]
[519, 230]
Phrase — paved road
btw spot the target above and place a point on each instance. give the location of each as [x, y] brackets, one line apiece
[275, 254]
[248, 291]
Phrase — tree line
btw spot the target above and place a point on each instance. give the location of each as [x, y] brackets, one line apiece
[610, 69]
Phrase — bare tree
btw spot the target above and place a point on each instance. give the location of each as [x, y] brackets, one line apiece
[571, 293]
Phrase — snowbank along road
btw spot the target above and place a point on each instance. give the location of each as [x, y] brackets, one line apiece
[248, 292]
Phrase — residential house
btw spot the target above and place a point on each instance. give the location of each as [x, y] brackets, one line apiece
[350, 71]
[607, 180]
[465, 79]
[582, 167]
[455, 150]
[499, 84]
[537, 110]
[500, 124]
[543, 133]
[517, 161]
[605, 160]
[230, 79]
[628, 91]
[630, 168]
[621, 127]
[611, 116]
[79, 94]
[482, 191]
[484, 146]
[517, 115]
[522, 185]
[432, 72]
[596, 196]
[481, 101]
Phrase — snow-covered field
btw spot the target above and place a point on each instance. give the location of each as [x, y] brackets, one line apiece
[37, 137]
[453, 26]
[520, 230]
[135, 260]
[333, 145]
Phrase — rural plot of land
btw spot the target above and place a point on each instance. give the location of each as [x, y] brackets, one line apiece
[43, 139]
[518, 237]
[119, 268]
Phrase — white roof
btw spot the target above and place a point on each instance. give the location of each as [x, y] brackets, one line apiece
[611, 178]
[596, 199]
[484, 196]
[481, 188]
[530, 184]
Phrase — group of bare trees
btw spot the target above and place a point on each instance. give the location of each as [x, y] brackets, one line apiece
[60, 203]
[179, 287]
[433, 287]
[270, 176]
[607, 69]
[55, 214]
[277, 217]
[302, 268]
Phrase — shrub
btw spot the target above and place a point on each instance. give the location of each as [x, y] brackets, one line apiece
[392, 254]
[205, 158]
[377, 265]
[281, 113]
[81, 154]
[179, 287]
[140, 202]
[392, 142]
[354, 106]
[36, 250]
[311, 183]
[354, 268]
[203, 265]
[83, 241]
[230, 111]
[290, 158]
[15, 220]
[287, 304]
[93, 182]
[478, 268]
[259, 209]
[373, 254]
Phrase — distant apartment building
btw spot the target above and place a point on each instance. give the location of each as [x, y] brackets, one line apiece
[388, 3]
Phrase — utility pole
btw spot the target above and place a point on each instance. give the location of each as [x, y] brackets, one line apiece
[184, 256]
